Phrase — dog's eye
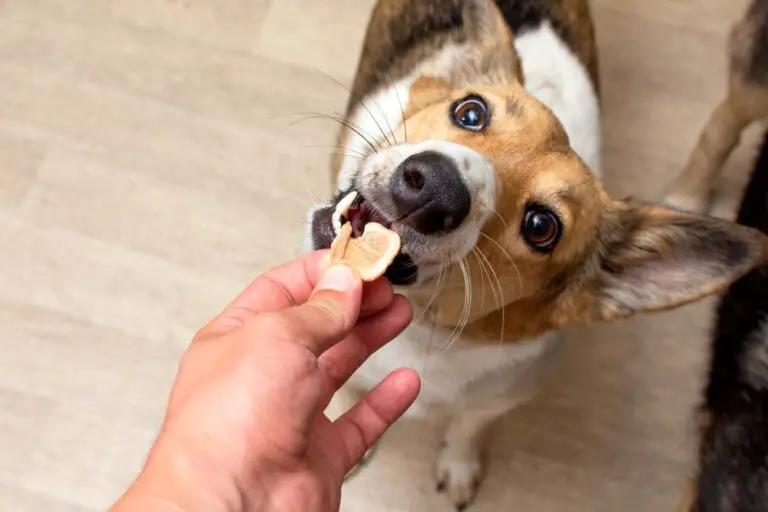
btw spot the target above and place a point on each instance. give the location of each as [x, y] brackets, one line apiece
[470, 113]
[541, 228]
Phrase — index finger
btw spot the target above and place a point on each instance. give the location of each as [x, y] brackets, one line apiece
[282, 287]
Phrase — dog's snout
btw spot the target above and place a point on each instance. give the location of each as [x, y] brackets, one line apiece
[429, 193]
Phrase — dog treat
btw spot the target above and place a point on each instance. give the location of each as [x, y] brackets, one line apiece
[370, 254]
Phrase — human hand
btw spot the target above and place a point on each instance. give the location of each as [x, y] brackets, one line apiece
[245, 428]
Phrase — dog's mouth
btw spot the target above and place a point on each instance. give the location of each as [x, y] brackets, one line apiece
[353, 208]
[358, 211]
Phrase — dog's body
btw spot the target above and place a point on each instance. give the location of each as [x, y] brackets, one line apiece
[733, 452]
[442, 144]
[734, 447]
[562, 73]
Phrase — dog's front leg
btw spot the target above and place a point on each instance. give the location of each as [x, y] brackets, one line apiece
[459, 469]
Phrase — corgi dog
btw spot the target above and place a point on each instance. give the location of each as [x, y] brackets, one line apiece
[473, 132]
[745, 102]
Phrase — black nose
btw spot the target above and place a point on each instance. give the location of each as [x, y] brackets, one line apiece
[429, 194]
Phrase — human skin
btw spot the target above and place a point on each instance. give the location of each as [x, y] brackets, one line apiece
[244, 428]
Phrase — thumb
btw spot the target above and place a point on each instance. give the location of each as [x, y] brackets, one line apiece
[331, 311]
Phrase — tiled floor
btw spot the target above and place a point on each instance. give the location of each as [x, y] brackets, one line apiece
[149, 167]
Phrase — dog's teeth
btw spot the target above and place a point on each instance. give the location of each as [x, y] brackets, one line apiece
[347, 202]
[341, 210]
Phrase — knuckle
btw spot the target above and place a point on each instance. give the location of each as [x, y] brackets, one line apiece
[330, 309]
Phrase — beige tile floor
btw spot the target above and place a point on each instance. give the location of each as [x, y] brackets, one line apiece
[148, 170]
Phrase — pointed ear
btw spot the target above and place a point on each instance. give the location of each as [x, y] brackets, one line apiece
[484, 23]
[654, 258]
[490, 39]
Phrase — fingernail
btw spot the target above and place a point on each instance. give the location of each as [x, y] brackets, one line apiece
[339, 278]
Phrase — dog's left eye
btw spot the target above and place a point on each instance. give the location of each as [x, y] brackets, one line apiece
[470, 113]
[541, 228]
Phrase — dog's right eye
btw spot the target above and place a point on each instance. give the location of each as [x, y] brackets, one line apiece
[471, 113]
[541, 228]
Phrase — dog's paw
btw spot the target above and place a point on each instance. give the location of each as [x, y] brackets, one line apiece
[459, 474]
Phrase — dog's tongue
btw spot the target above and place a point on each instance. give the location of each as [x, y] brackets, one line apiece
[362, 214]
[357, 219]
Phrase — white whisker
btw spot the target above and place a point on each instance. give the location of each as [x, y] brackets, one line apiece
[502, 304]
[511, 261]
[467, 309]
[345, 149]
[361, 102]
[504, 223]
[483, 275]
[434, 294]
[375, 145]
[402, 109]
[434, 317]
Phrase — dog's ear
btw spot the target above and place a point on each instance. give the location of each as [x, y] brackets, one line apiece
[653, 258]
[492, 54]
[484, 23]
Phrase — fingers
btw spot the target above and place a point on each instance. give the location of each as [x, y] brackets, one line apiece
[370, 334]
[377, 296]
[367, 421]
[330, 313]
[286, 286]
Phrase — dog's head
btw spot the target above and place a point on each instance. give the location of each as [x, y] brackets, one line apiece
[487, 178]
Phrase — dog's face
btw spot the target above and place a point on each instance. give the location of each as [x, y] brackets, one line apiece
[484, 176]
[484, 167]
[473, 147]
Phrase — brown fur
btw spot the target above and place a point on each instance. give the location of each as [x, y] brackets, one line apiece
[534, 162]
[614, 259]
[745, 103]
[686, 504]
[391, 29]
[621, 273]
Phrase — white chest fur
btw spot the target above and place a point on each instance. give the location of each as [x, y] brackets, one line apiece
[558, 79]
[462, 374]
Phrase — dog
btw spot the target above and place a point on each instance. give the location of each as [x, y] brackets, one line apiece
[733, 454]
[473, 131]
[733, 446]
[746, 102]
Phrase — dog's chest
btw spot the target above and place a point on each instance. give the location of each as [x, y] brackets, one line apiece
[452, 374]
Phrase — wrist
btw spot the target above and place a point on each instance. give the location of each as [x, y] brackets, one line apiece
[179, 479]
